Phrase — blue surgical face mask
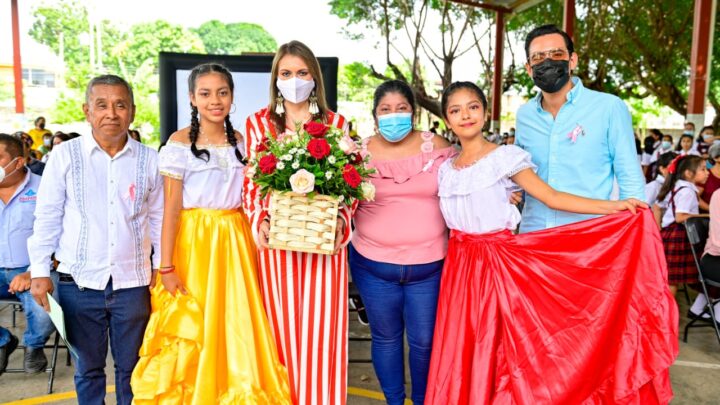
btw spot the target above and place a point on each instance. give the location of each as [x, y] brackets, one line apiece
[688, 132]
[395, 127]
[666, 144]
[709, 164]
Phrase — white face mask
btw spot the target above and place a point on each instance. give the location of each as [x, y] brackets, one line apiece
[4, 174]
[295, 90]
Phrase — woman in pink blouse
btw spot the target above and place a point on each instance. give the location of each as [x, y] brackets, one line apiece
[400, 241]
[710, 261]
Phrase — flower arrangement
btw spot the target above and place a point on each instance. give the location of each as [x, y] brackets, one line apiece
[319, 159]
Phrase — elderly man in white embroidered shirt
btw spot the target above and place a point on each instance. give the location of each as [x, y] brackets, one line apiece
[99, 209]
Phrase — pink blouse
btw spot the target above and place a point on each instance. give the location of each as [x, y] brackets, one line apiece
[404, 224]
[712, 246]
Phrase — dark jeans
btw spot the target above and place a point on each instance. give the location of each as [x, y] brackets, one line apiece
[39, 327]
[399, 298]
[711, 267]
[91, 316]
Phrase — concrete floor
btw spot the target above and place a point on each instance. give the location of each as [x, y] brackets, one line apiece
[695, 375]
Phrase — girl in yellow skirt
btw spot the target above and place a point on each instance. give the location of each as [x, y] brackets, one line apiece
[208, 339]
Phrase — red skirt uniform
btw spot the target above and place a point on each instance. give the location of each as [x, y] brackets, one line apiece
[579, 314]
[680, 263]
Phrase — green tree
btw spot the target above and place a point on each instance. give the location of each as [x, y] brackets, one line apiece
[65, 29]
[234, 38]
[356, 82]
[462, 27]
[145, 41]
[628, 48]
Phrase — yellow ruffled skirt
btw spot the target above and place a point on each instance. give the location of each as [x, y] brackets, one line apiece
[213, 345]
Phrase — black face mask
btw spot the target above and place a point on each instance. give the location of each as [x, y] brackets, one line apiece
[551, 75]
[41, 125]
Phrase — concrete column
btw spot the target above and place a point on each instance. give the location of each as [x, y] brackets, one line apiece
[498, 69]
[701, 60]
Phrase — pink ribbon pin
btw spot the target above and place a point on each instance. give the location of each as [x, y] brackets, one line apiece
[575, 133]
[131, 191]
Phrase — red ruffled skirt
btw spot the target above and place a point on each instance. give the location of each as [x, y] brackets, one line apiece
[579, 314]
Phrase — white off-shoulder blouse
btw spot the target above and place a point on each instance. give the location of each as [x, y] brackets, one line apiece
[476, 199]
[215, 184]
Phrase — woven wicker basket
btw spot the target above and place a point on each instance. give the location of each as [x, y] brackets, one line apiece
[302, 224]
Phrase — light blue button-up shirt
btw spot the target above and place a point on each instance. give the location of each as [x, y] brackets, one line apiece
[16, 223]
[581, 151]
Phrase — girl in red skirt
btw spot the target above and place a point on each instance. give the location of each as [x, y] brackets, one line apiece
[678, 197]
[578, 314]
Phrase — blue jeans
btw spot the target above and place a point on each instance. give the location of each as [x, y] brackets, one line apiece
[91, 316]
[398, 298]
[38, 327]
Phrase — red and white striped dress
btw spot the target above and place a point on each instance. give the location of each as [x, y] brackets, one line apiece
[305, 295]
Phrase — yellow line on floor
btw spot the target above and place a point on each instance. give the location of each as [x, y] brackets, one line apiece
[52, 397]
[358, 392]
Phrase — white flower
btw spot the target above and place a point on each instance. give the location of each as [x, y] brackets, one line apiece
[331, 159]
[293, 151]
[328, 175]
[347, 145]
[301, 151]
[368, 191]
[280, 165]
[295, 165]
[302, 182]
[286, 158]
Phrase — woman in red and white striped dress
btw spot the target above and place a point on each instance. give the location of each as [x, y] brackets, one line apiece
[305, 294]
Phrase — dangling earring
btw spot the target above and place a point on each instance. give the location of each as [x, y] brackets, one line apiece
[279, 108]
[314, 104]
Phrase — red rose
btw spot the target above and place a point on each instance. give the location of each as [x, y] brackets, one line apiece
[356, 158]
[318, 148]
[261, 147]
[351, 176]
[267, 164]
[316, 129]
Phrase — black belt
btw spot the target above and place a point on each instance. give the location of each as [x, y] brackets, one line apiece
[66, 278]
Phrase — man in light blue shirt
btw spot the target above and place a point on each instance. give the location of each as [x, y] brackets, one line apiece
[18, 190]
[581, 140]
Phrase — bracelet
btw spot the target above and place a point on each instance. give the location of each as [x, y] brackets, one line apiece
[166, 269]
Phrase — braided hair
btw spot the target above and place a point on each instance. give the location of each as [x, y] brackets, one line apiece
[682, 164]
[198, 71]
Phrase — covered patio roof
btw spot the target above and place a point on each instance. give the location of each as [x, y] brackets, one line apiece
[506, 6]
[701, 53]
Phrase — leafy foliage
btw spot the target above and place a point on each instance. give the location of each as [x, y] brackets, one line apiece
[65, 27]
[146, 40]
[234, 38]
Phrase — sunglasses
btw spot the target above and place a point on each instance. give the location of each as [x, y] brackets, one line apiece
[554, 54]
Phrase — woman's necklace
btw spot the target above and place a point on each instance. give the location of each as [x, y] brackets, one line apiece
[220, 155]
[291, 122]
[205, 140]
[480, 154]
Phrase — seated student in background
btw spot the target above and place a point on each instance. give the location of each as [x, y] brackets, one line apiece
[653, 188]
[678, 198]
[18, 189]
[685, 146]
[705, 140]
[713, 181]
[651, 143]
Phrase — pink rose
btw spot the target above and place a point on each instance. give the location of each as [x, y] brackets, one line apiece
[347, 145]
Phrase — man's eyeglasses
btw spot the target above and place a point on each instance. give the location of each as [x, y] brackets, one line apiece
[554, 54]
